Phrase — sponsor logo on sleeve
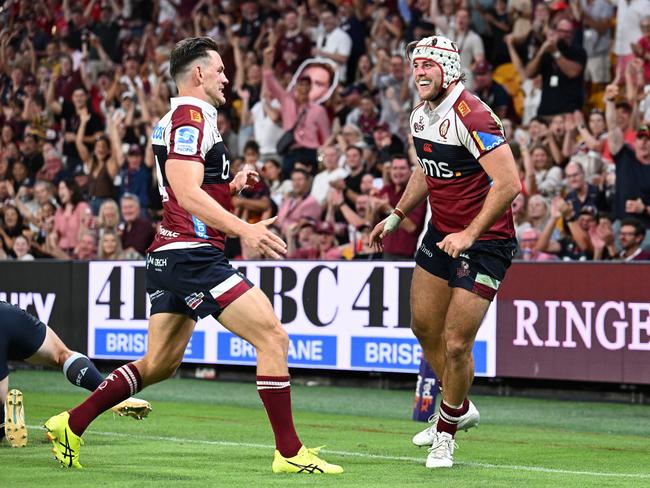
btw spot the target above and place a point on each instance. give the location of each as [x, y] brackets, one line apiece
[463, 108]
[196, 116]
[487, 141]
[186, 140]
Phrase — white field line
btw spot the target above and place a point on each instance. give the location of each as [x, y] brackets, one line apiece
[366, 455]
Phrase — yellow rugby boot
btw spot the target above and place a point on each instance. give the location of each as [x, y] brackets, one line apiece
[66, 444]
[306, 461]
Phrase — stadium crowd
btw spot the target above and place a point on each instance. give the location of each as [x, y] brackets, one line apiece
[83, 84]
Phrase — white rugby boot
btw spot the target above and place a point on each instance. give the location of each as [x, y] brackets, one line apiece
[467, 421]
[441, 452]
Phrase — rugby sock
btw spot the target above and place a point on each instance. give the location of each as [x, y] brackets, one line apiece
[81, 372]
[275, 392]
[121, 384]
[2, 422]
[448, 417]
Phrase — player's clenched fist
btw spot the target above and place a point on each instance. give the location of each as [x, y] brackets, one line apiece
[454, 244]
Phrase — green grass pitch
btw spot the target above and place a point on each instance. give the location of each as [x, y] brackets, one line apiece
[215, 434]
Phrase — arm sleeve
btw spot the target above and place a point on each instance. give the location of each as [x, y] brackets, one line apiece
[186, 140]
[484, 131]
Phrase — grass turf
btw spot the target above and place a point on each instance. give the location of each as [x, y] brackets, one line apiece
[204, 433]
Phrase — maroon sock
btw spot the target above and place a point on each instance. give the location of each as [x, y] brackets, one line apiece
[449, 417]
[275, 392]
[122, 383]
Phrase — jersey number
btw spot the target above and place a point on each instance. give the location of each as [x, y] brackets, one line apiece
[225, 171]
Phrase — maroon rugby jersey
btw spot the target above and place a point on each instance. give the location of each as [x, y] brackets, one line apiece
[449, 141]
[188, 132]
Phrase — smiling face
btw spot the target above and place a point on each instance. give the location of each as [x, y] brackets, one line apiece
[109, 244]
[540, 158]
[428, 78]
[537, 207]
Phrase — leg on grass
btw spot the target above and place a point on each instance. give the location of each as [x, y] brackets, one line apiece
[77, 368]
[464, 317]
[168, 336]
[430, 297]
[252, 318]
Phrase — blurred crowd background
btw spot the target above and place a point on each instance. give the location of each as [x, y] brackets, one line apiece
[83, 84]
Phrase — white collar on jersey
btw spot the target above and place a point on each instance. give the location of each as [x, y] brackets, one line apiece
[208, 109]
[449, 100]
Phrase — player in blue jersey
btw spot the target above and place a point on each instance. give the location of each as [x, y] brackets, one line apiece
[25, 338]
[467, 172]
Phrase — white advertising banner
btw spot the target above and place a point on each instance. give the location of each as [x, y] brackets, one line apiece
[339, 315]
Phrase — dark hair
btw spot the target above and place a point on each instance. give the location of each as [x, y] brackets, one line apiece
[302, 172]
[639, 228]
[356, 148]
[400, 156]
[251, 144]
[540, 120]
[187, 51]
[604, 216]
[75, 190]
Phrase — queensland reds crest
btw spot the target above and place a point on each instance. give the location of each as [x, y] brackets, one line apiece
[444, 128]
[463, 270]
[419, 125]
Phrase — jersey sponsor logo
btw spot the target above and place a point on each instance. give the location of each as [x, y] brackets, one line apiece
[437, 169]
[463, 108]
[195, 116]
[158, 133]
[427, 147]
[419, 125]
[186, 140]
[444, 128]
[487, 141]
[168, 233]
[200, 229]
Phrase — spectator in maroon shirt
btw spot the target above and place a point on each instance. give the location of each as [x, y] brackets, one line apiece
[137, 231]
[402, 243]
[293, 47]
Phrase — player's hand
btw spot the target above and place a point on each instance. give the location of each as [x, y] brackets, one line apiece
[611, 92]
[243, 179]
[261, 239]
[454, 244]
[382, 229]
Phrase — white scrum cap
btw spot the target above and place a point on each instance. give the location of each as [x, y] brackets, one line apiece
[441, 51]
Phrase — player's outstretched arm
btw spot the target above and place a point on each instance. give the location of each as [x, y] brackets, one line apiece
[416, 191]
[185, 178]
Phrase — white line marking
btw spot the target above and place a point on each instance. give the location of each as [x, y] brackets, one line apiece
[419, 460]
